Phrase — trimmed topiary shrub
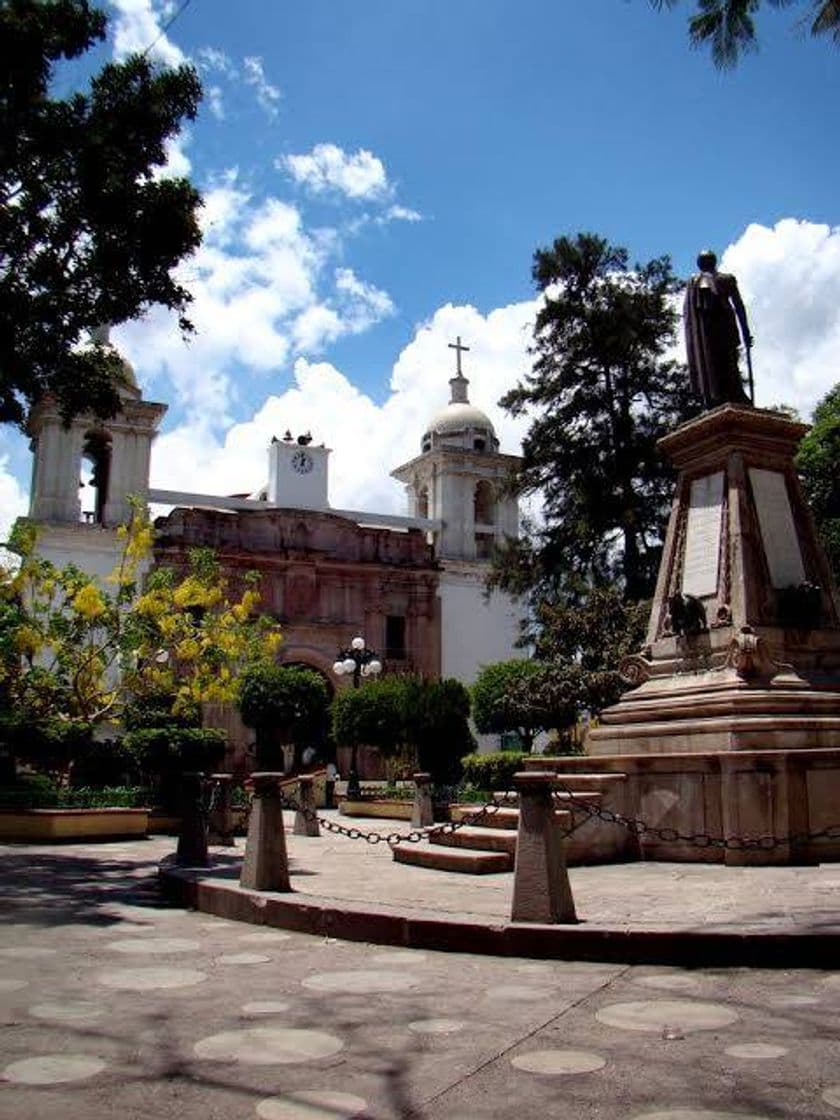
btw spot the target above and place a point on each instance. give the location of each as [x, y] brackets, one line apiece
[492, 771]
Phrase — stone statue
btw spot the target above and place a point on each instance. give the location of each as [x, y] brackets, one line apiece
[713, 313]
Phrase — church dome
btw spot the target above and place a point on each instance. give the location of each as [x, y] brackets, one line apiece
[457, 416]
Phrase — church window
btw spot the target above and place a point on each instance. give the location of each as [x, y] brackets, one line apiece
[395, 637]
[479, 443]
[423, 502]
[93, 477]
[484, 504]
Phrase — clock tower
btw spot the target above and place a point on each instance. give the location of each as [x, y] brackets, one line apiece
[297, 473]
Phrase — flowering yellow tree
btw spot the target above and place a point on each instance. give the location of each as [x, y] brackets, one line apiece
[76, 650]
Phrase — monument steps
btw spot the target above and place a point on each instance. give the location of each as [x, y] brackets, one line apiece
[481, 839]
[463, 860]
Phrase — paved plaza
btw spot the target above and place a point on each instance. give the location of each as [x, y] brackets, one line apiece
[117, 1005]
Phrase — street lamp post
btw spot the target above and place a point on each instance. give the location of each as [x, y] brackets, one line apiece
[361, 662]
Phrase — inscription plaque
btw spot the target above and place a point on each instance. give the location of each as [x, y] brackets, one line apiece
[778, 532]
[702, 536]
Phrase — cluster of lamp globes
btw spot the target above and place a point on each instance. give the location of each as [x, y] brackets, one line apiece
[371, 668]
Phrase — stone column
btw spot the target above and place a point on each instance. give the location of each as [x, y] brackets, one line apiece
[266, 865]
[422, 814]
[306, 823]
[220, 820]
[192, 839]
[541, 890]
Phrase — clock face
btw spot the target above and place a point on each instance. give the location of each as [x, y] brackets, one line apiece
[302, 462]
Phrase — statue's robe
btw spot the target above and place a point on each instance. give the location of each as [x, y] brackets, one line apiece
[712, 339]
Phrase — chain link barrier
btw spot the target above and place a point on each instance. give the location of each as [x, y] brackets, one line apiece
[564, 796]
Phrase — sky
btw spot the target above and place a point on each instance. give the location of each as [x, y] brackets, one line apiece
[377, 176]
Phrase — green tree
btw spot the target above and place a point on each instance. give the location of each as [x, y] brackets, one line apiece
[817, 460]
[728, 26]
[602, 391]
[436, 726]
[527, 697]
[285, 704]
[89, 231]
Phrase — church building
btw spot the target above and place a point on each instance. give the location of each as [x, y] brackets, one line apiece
[412, 585]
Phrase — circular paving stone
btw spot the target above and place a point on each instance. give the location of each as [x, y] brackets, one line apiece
[154, 945]
[26, 952]
[756, 1050]
[265, 1007]
[12, 985]
[669, 982]
[361, 981]
[832, 1096]
[436, 1026]
[264, 937]
[149, 979]
[242, 958]
[656, 1015]
[696, 1114]
[66, 1012]
[53, 1069]
[264, 1046]
[309, 1105]
[556, 1062]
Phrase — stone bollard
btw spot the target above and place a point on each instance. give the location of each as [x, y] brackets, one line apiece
[192, 839]
[541, 890]
[220, 818]
[422, 814]
[306, 823]
[266, 865]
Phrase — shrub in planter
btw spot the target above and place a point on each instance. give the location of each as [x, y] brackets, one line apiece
[49, 744]
[163, 754]
[492, 771]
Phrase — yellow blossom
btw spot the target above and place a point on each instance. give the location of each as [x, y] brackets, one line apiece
[88, 602]
[27, 640]
[187, 650]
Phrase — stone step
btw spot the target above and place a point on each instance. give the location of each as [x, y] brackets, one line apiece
[478, 839]
[593, 797]
[441, 858]
[585, 781]
[506, 818]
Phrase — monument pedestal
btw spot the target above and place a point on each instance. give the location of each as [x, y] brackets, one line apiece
[743, 645]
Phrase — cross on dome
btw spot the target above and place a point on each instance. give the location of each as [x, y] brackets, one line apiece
[458, 383]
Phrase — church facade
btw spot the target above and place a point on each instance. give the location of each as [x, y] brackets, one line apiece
[412, 585]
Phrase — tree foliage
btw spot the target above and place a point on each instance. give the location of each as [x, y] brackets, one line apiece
[89, 230]
[527, 697]
[602, 391]
[371, 716]
[817, 461]
[285, 703]
[79, 652]
[728, 28]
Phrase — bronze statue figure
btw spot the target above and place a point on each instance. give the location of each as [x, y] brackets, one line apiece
[713, 314]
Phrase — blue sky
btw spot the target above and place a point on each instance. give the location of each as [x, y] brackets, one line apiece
[378, 175]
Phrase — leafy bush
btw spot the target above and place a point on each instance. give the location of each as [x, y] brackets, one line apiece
[32, 793]
[287, 702]
[492, 771]
[163, 754]
[50, 744]
[370, 716]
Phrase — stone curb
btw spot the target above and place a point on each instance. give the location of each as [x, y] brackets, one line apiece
[195, 889]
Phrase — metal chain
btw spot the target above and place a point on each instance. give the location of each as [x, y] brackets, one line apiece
[565, 796]
[489, 809]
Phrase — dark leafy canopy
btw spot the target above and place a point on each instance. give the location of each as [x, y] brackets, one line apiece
[285, 702]
[601, 393]
[817, 461]
[527, 697]
[88, 234]
[728, 26]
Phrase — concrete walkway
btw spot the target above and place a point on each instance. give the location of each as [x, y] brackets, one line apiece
[656, 912]
[117, 1007]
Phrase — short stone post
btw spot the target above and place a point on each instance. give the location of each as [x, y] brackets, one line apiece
[422, 814]
[541, 890]
[266, 865]
[220, 818]
[306, 823]
[192, 839]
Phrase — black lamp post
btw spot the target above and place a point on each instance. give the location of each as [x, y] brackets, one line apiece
[361, 662]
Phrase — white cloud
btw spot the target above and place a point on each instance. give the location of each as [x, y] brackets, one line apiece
[789, 277]
[14, 500]
[328, 167]
[137, 28]
[368, 439]
[268, 95]
[216, 102]
[210, 60]
[401, 214]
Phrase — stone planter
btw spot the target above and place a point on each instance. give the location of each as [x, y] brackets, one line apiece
[381, 807]
[45, 825]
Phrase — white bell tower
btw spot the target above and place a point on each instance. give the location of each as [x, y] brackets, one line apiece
[457, 479]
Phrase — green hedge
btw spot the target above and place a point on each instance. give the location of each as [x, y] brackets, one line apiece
[492, 771]
[29, 795]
